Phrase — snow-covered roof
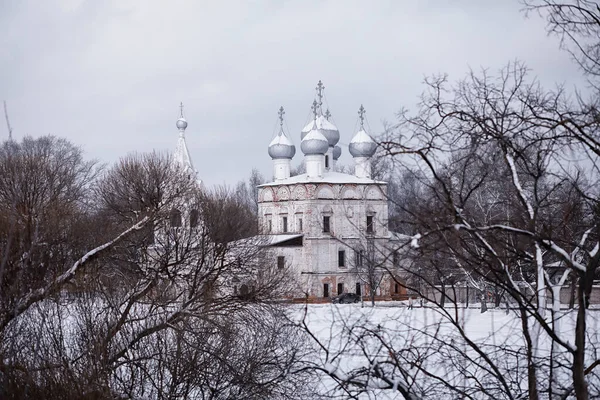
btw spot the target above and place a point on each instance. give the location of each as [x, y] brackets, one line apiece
[275, 239]
[328, 177]
[322, 123]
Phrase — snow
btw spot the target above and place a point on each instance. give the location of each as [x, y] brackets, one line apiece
[362, 137]
[281, 138]
[328, 177]
[349, 336]
[322, 123]
[414, 241]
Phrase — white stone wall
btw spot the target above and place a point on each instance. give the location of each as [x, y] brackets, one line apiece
[347, 205]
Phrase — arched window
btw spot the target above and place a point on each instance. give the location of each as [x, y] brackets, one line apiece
[175, 218]
[194, 217]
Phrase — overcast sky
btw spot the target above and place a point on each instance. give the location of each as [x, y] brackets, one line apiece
[109, 75]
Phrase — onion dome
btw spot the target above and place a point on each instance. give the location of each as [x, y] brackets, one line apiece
[181, 123]
[281, 147]
[314, 142]
[337, 152]
[329, 130]
[362, 144]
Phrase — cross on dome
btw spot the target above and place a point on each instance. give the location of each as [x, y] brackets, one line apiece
[181, 110]
[314, 108]
[281, 113]
[320, 87]
[361, 116]
[327, 114]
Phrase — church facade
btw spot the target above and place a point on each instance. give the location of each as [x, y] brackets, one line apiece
[330, 229]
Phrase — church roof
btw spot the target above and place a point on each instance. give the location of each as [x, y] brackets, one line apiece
[182, 154]
[328, 177]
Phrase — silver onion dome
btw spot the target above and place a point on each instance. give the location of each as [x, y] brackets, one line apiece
[337, 152]
[181, 123]
[281, 147]
[362, 145]
[329, 130]
[314, 142]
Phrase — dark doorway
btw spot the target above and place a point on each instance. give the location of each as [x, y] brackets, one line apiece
[326, 290]
[340, 288]
[358, 291]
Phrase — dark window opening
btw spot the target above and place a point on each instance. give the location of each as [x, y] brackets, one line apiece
[341, 258]
[326, 161]
[326, 290]
[326, 224]
[358, 291]
[194, 217]
[300, 224]
[269, 226]
[396, 288]
[280, 262]
[359, 255]
[370, 226]
[396, 259]
[340, 288]
[175, 218]
[285, 225]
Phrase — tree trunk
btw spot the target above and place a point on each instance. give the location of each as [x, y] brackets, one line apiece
[483, 303]
[541, 282]
[443, 296]
[531, 365]
[578, 369]
[573, 291]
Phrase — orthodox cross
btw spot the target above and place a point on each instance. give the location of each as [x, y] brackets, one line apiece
[314, 109]
[281, 113]
[361, 116]
[327, 114]
[181, 109]
[320, 88]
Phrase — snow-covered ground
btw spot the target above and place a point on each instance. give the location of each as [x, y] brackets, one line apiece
[352, 342]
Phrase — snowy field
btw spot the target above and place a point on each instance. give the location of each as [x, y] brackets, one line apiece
[354, 342]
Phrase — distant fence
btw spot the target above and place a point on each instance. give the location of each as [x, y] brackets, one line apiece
[468, 294]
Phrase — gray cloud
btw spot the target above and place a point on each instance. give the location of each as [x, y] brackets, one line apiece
[109, 75]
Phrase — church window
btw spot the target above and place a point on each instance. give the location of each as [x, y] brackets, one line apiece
[359, 255]
[300, 224]
[326, 161]
[285, 224]
[358, 291]
[370, 224]
[175, 218]
[341, 258]
[269, 226]
[326, 224]
[280, 262]
[194, 217]
[326, 290]
[340, 288]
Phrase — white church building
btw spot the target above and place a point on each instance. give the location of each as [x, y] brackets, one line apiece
[329, 228]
